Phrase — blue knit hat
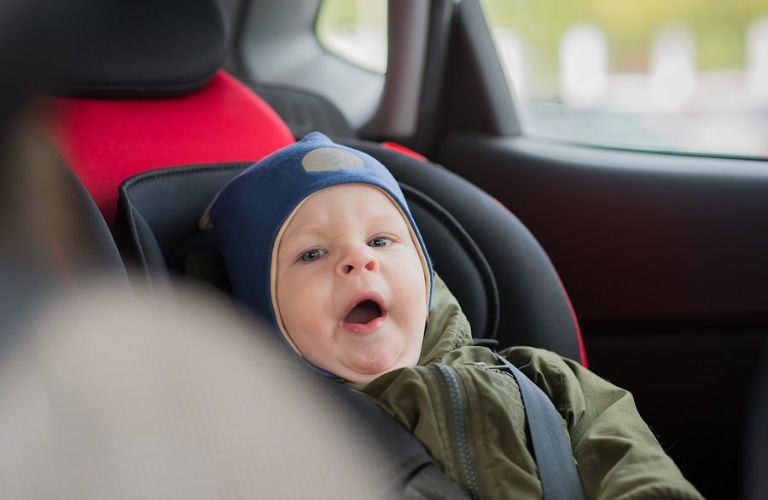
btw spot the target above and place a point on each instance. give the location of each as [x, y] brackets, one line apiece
[248, 213]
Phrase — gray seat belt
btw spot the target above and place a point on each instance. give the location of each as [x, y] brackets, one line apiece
[551, 445]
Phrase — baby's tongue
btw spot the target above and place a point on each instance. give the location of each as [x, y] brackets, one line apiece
[363, 312]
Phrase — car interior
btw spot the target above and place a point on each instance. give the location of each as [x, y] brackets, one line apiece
[648, 267]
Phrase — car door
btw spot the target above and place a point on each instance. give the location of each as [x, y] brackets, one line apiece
[662, 251]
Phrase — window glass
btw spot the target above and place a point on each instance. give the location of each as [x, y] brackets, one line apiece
[686, 76]
[355, 30]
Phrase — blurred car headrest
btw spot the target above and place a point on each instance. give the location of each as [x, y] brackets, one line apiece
[139, 48]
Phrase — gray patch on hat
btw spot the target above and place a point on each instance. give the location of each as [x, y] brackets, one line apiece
[330, 159]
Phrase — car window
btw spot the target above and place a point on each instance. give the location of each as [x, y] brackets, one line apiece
[355, 30]
[665, 76]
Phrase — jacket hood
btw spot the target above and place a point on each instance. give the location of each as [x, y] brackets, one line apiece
[447, 326]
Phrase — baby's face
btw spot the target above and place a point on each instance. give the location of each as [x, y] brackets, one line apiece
[350, 286]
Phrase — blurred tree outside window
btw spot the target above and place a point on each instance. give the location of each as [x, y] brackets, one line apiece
[355, 30]
[685, 76]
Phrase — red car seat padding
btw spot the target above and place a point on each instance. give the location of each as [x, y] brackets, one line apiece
[399, 148]
[105, 141]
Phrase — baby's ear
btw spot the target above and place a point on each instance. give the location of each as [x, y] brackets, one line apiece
[205, 223]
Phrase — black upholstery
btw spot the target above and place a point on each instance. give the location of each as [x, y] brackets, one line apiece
[93, 248]
[304, 111]
[158, 214]
[122, 48]
[500, 275]
[756, 442]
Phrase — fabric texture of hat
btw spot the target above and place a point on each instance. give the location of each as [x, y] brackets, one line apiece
[248, 213]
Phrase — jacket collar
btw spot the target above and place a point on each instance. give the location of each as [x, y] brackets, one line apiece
[447, 327]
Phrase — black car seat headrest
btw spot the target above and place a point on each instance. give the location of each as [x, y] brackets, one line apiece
[158, 215]
[140, 48]
[502, 278]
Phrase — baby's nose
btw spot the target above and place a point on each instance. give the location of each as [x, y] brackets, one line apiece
[357, 260]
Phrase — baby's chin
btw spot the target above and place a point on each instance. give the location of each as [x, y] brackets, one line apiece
[364, 369]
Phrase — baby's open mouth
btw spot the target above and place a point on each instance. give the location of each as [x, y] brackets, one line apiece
[364, 312]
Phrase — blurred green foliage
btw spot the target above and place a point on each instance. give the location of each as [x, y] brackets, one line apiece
[719, 27]
[336, 14]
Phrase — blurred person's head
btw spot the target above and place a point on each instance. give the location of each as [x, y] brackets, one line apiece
[116, 393]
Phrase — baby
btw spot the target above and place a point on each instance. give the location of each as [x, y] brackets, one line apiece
[330, 253]
[319, 239]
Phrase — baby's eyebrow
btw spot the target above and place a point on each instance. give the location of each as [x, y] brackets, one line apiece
[387, 217]
[306, 231]
[393, 223]
[382, 221]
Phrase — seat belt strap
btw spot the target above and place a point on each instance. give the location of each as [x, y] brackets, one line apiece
[551, 445]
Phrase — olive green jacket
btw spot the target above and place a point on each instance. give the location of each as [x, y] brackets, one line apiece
[470, 417]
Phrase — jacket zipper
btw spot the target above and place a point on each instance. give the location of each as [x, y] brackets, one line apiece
[459, 428]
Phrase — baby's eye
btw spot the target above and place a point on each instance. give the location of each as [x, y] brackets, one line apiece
[380, 241]
[311, 255]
